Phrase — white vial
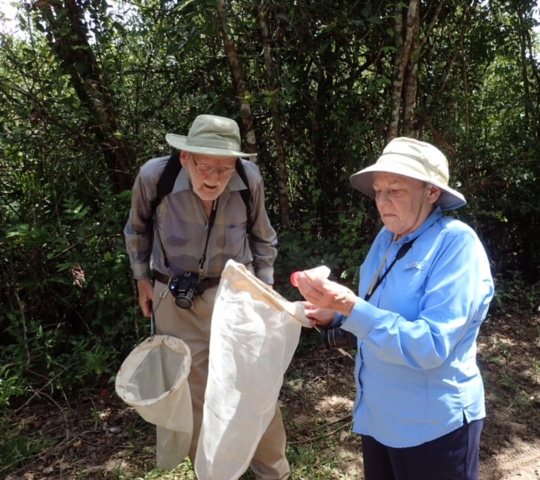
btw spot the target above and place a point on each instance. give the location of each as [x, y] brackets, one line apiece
[321, 273]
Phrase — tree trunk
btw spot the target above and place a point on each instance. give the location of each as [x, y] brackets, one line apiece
[246, 116]
[411, 79]
[404, 42]
[274, 106]
[68, 37]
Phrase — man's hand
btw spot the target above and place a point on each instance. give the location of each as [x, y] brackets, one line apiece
[146, 293]
[327, 295]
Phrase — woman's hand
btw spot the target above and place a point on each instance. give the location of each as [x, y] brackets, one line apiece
[327, 295]
[318, 316]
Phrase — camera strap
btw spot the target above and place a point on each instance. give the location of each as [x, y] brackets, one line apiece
[211, 221]
[377, 280]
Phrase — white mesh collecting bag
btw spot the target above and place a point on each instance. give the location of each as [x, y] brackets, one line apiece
[255, 332]
[153, 380]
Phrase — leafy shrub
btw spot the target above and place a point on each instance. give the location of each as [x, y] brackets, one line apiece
[71, 313]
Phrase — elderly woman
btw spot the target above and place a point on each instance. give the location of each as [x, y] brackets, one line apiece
[425, 288]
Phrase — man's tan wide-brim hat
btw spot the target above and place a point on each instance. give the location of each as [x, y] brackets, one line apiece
[415, 159]
[210, 135]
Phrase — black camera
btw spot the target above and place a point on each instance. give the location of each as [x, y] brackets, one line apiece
[335, 337]
[184, 288]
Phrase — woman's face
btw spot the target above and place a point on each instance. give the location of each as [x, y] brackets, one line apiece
[403, 203]
[209, 174]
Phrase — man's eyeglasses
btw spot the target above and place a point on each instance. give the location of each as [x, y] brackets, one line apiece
[204, 169]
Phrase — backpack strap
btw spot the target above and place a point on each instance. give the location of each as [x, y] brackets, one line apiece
[245, 194]
[168, 177]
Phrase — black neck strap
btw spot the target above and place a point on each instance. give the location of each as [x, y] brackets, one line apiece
[211, 221]
[400, 254]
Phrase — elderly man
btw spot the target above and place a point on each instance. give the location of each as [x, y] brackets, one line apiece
[425, 287]
[189, 236]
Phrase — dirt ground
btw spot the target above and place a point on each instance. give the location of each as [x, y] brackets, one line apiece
[96, 434]
[509, 353]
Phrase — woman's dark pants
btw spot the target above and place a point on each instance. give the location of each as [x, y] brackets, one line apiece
[453, 456]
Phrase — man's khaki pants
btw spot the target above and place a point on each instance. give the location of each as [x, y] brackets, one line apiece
[193, 327]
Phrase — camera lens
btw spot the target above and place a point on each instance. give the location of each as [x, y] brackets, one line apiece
[184, 302]
[338, 338]
[184, 289]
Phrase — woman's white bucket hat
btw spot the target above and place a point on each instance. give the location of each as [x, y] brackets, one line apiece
[210, 135]
[415, 159]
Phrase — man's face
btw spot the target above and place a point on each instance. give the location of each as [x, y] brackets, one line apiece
[403, 203]
[209, 174]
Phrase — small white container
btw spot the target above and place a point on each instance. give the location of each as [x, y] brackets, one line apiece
[321, 273]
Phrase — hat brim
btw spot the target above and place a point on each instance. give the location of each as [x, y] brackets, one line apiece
[180, 142]
[450, 199]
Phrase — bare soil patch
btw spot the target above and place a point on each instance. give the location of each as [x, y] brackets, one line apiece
[509, 355]
[95, 435]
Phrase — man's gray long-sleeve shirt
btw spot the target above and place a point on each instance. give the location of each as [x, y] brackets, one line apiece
[175, 244]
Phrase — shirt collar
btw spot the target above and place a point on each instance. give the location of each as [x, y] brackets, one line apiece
[182, 181]
[236, 183]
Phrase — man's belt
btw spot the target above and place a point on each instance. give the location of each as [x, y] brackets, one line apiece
[204, 284]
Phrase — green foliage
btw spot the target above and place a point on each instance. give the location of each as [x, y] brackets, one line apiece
[11, 385]
[71, 315]
[302, 251]
[514, 294]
